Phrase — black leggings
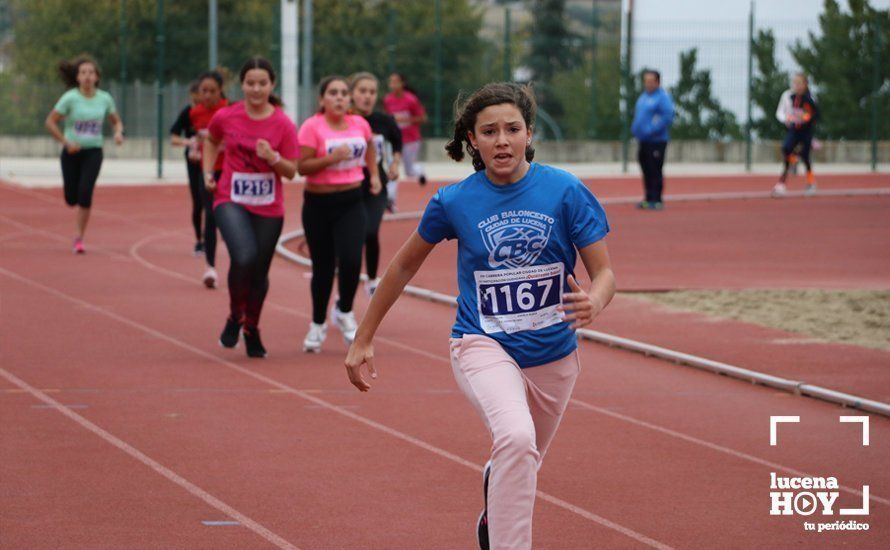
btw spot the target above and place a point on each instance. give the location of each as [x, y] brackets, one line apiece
[196, 184]
[793, 138]
[651, 157]
[79, 174]
[251, 241]
[209, 222]
[374, 208]
[335, 232]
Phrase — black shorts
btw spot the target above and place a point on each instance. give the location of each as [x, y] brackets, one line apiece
[79, 174]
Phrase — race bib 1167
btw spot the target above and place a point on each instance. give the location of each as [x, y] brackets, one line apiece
[513, 300]
[253, 189]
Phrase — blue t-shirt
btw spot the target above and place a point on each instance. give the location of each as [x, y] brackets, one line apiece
[515, 248]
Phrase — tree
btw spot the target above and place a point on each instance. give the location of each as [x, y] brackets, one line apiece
[842, 66]
[44, 35]
[404, 41]
[698, 114]
[554, 48]
[767, 86]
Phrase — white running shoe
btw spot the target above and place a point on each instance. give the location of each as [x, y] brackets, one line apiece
[345, 322]
[779, 190]
[210, 278]
[315, 338]
[371, 285]
[810, 189]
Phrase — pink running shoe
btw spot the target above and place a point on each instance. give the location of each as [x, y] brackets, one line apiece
[78, 246]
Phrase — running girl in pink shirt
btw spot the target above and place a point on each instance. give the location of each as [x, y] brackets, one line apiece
[261, 148]
[403, 104]
[334, 147]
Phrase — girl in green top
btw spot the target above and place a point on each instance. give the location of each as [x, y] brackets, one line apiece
[84, 108]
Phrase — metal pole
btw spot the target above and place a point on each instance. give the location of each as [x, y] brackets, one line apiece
[594, 27]
[123, 46]
[508, 72]
[876, 68]
[275, 45]
[159, 85]
[307, 60]
[625, 123]
[290, 59]
[749, 123]
[437, 110]
[212, 32]
[390, 40]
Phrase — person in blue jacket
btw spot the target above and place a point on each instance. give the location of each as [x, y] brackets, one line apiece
[653, 115]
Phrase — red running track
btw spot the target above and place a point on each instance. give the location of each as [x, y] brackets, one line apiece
[163, 430]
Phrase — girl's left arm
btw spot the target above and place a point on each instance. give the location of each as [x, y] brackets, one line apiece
[371, 163]
[582, 307]
[118, 126]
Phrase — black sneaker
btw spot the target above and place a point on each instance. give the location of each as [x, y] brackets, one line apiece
[422, 180]
[229, 336]
[199, 249]
[253, 343]
[482, 524]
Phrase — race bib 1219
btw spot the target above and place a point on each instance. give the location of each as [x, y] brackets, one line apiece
[253, 189]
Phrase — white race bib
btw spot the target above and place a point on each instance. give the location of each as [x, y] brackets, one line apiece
[88, 129]
[253, 189]
[403, 119]
[379, 144]
[358, 146]
[512, 300]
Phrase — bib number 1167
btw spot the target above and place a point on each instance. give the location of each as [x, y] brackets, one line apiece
[517, 297]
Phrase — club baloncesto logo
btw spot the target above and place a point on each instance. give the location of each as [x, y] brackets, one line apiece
[515, 238]
[809, 495]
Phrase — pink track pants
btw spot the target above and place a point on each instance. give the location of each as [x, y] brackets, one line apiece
[522, 409]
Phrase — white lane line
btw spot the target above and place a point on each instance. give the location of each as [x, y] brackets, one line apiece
[135, 453]
[641, 423]
[639, 537]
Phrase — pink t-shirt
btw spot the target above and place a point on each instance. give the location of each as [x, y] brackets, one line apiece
[317, 134]
[247, 179]
[402, 107]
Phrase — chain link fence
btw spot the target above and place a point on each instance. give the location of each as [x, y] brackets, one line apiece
[585, 72]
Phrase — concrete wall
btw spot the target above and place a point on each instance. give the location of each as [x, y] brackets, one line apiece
[551, 151]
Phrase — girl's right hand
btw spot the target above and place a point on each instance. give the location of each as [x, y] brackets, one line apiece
[341, 153]
[71, 147]
[209, 182]
[360, 353]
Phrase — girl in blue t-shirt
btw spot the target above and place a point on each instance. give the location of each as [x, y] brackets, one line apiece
[519, 227]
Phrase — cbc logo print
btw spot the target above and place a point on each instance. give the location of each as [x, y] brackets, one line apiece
[809, 496]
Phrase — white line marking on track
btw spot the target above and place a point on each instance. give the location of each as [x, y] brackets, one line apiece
[135, 453]
[639, 537]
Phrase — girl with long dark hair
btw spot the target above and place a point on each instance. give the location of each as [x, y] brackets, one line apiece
[520, 227]
[261, 148]
[84, 107]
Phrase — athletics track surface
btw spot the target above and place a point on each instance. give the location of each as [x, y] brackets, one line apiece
[164, 433]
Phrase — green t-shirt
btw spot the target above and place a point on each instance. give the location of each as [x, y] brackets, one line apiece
[84, 116]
